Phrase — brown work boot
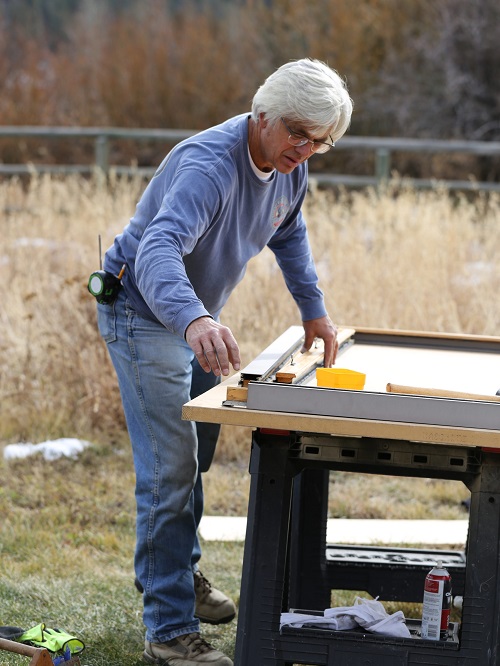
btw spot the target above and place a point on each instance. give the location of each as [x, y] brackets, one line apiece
[212, 606]
[186, 650]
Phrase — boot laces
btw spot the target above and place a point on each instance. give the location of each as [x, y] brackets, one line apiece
[202, 584]
[196, 644]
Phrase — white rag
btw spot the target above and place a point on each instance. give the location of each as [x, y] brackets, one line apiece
[368, 614]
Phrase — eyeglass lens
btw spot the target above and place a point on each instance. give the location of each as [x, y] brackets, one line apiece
[316, 146]
[297, 141]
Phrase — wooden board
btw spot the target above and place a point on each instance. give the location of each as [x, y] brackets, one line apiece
[440, 393]
[209, 408]
[302, 364]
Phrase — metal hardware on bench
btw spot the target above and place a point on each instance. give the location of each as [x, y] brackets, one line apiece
[268, 361]
[456, 460]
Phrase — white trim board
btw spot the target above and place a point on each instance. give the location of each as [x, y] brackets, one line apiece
[354, 531]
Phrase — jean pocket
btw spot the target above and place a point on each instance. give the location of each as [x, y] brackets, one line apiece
[106, 322]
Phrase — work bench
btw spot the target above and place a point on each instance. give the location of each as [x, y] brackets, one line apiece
[301, 432]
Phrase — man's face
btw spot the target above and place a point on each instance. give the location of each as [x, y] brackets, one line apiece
[276, 150]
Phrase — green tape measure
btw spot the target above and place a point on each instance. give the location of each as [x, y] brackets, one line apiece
[104, 286]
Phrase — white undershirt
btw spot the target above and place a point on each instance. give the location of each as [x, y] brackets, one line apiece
[263, 175]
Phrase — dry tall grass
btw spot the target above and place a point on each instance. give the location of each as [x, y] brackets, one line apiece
[393, 259]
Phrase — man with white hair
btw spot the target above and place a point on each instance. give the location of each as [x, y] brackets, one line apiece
[216, 201]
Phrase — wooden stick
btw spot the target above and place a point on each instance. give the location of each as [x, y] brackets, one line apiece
[237, 393]
[302, 364]
[43, 658]
[439, 393]
[295, 369]
[40, 656]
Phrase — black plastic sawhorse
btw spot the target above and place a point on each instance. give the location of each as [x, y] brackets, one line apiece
[391, 574]
[285, 563]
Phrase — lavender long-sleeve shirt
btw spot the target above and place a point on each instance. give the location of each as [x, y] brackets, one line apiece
[202, 217]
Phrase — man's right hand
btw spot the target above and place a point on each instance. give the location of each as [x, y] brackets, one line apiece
[214, 345]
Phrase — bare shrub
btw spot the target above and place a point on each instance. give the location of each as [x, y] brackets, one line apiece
[413, 68]
[437, 70]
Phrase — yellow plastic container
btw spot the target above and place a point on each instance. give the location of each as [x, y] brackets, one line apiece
[340, 378]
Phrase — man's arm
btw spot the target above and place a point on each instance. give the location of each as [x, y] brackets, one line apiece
[293, 254]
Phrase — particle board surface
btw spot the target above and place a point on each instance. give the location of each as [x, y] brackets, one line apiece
[453, 370]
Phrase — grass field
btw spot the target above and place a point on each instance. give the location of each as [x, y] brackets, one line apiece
[66, 545]
[67, 540]
[392, 259]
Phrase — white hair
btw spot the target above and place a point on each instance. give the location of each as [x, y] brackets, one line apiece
[308, 92]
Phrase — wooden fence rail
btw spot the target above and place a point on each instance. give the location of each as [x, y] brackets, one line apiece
[381, 147]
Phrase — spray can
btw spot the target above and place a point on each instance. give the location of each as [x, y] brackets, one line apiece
[437, 603]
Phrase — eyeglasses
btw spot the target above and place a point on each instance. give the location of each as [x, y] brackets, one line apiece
[298, 140]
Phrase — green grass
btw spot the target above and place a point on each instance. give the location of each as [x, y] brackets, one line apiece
[67, 541]
[102, 607]
[66, 549]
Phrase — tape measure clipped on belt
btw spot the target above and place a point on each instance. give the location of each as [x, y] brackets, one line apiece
[104, 286]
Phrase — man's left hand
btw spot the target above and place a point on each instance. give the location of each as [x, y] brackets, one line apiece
[325, 329]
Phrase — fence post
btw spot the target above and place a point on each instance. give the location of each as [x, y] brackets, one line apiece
[382, 164]
[101, 152]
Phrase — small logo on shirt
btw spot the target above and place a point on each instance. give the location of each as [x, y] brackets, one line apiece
[280, 209]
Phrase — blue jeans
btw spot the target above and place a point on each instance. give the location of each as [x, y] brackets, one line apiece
[157, 374]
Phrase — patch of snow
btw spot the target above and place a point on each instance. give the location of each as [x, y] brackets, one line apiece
[51, 450]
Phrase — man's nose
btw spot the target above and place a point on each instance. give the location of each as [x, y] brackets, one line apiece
[304, 150]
